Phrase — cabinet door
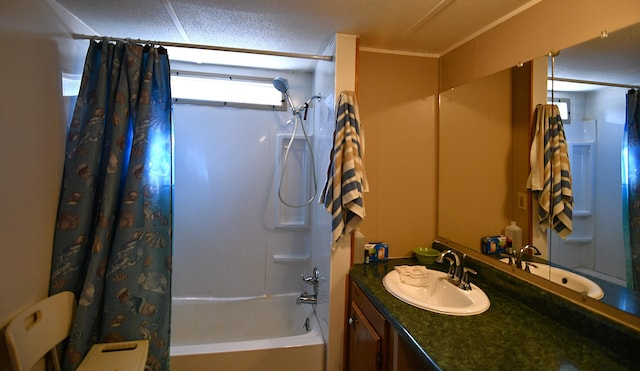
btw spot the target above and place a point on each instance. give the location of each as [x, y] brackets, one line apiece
[364, 343]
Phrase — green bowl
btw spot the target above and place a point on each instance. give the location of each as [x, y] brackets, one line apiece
[426, 255]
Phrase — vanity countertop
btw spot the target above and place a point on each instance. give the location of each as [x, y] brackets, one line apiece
[509, 335]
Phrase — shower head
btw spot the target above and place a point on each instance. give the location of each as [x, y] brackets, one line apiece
[281, 84]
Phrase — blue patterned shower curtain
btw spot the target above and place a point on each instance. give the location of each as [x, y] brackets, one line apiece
[631, 189]
[112, 244]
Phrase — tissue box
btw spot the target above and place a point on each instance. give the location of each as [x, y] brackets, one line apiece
[493, 244]
[376, 251]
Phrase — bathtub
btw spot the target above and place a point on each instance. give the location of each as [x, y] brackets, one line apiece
[252, 334]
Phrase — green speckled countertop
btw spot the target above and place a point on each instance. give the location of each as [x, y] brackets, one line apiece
[508, 336]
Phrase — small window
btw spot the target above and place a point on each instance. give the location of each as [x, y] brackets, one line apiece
[564, 107]
[225, 90]
[70, 84]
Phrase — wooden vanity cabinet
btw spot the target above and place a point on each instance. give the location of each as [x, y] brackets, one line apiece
[372, 344]
[367, 335]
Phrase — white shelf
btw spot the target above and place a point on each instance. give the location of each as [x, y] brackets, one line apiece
[294, 186]
[582, 213]
[579, 239]
[290, 258]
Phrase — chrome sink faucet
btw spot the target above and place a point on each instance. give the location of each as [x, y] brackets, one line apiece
[458, 274]
[454, 263]
[520, 256]
[313, 280]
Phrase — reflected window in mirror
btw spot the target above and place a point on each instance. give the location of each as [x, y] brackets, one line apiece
[564, 105]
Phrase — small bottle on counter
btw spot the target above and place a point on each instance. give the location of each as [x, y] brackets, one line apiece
[358, 247]
[514, 237]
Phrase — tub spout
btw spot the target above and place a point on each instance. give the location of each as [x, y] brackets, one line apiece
[305, 298]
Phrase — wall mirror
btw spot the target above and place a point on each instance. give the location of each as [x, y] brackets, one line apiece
[484, 146]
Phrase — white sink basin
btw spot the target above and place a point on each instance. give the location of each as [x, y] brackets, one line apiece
[565, 278]
[439, 295]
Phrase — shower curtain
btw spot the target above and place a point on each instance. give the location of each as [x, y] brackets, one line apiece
[112, 244]
[631, 189]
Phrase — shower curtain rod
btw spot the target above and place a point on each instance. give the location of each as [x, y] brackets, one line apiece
[595, 83]
[327, 58]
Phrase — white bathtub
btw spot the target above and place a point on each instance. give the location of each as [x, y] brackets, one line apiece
[253, 334]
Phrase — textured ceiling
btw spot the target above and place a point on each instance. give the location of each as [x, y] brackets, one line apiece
[297, 26]
[432, 27]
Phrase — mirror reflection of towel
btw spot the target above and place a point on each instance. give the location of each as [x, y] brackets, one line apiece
[550, 176]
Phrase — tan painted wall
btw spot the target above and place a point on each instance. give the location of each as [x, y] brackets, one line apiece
[345, 79]
[36, 48]
[31, 160]
[398, 108]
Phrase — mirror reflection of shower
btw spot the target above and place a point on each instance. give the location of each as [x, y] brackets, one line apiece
[594, 137]
[282, 86]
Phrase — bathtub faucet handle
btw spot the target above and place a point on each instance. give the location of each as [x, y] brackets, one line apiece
[309, 279]
[313, 280]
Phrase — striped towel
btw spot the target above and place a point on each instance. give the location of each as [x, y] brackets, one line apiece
[550, 176]
[342, 195]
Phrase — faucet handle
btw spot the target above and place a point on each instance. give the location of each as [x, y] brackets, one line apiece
[314, 278]
[452, 267]
[507, 256]
[464, 282]
[528, 265]
[511, 260]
